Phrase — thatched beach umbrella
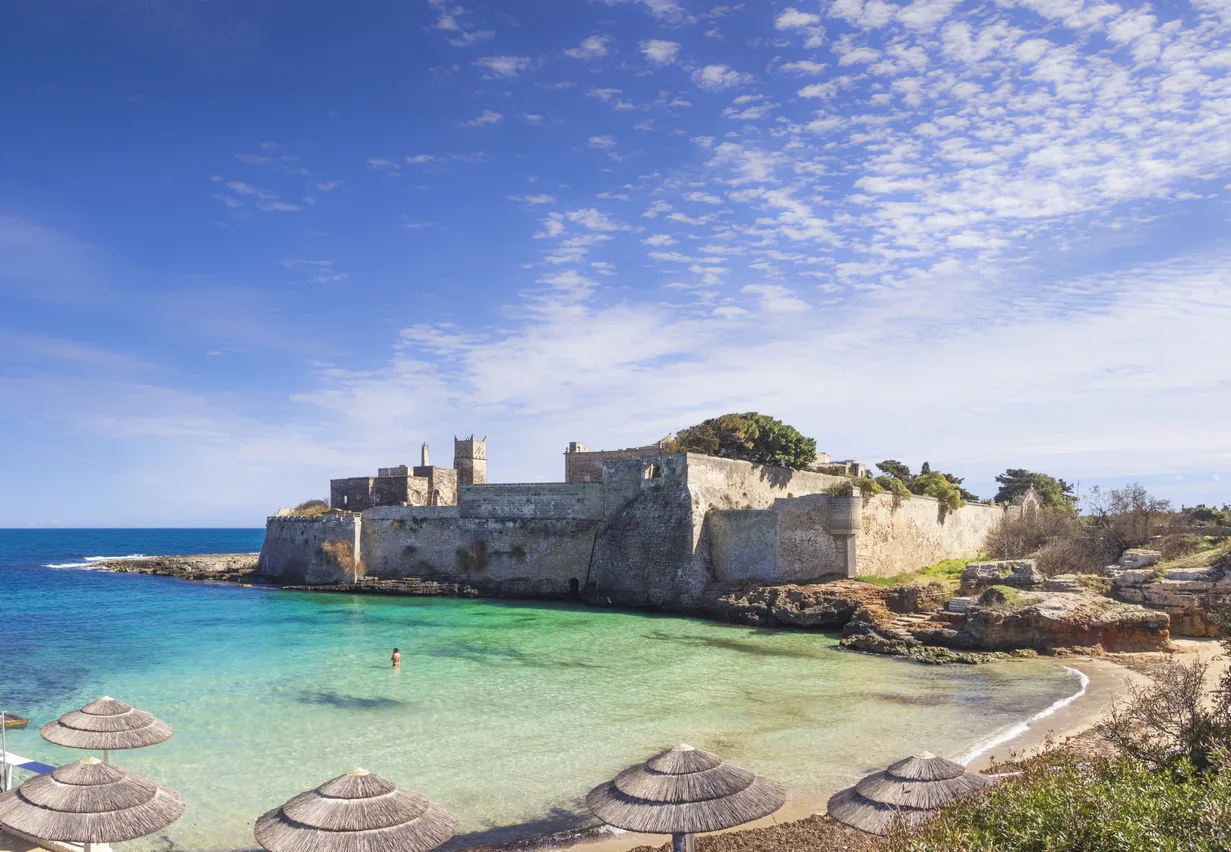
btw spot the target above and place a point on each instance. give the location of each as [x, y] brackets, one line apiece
[104, 725]
[356, 812]
[910, 791]
[89, 802]
[682, 791]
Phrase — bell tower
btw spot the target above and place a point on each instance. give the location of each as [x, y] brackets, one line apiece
[470, 460]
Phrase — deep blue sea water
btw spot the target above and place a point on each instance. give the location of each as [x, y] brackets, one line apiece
[505, 711]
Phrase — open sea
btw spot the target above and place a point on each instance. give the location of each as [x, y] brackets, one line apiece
[506, 712]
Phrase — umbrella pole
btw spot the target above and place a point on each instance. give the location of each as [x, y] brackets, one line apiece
[683, 843]
[105, 758]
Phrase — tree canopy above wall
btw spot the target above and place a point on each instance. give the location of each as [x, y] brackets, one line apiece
[748, 437]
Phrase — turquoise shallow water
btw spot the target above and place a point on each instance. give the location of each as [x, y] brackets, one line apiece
[506, 712]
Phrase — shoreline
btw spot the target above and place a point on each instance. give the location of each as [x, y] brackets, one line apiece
[1106, 679]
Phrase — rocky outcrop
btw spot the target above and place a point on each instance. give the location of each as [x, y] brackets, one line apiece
[1079, 622]
[1018, 573]
[820, 606]
[222, 567]
[1191, 597]
[916, 598]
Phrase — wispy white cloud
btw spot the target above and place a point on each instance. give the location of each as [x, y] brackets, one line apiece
[487, 117]
[503, 66]
[590, 48]
[718, 77]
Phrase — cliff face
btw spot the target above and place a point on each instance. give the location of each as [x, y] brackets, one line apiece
[1066, 620]
[1190, 597]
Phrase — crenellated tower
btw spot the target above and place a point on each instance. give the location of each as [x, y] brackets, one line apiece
[470, 460]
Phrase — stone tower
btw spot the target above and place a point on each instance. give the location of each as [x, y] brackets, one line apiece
[470, 460]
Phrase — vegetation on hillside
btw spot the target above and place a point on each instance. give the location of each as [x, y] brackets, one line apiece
[897, 478]
[1052, 493]
[311, 508]
[1166, 785]
[748, 437]
[1112, 521]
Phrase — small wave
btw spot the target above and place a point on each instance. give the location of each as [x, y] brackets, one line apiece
[1021, 728]
[91, 563]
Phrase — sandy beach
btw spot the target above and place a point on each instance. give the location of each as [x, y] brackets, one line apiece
[1108, 678]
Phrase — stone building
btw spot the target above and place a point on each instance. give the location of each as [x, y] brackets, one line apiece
[637, 526]
[422, 485]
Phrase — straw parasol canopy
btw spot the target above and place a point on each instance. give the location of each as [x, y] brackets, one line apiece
[90, 802]
[909, 791]
[104, 725]
[356, 812]
[684, 790]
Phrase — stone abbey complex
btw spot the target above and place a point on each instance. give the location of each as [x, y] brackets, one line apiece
[640, 526]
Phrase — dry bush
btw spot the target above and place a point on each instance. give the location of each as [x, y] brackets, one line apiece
[1018, 536]
[1074, 556]
[1180, 544]
[311, 508]
[1174, 717]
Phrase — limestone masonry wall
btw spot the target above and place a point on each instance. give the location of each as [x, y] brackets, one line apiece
[658, 530]
[553, 500]
[916, 534]
[305, 550]
[512, 557]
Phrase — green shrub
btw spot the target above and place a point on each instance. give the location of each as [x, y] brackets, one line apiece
[1059, 804]
[894, 486]
[748, 437]
[936, 485]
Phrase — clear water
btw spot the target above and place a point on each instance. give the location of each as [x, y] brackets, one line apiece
[507, 712]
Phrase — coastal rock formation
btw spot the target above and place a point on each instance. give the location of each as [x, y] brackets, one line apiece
[1065, 620]
[1189, 596]
[820, 606]
[223, 567]
[1019, 573]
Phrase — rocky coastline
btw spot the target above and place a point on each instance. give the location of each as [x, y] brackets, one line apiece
[909, 620]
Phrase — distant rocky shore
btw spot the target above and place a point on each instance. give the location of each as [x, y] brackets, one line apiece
[1047, 616]
[222, 567]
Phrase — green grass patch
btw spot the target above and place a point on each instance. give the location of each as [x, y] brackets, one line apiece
[1212, 549]
[948, 573]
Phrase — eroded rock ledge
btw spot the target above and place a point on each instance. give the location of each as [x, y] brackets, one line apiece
[224, 567]
[908, 621]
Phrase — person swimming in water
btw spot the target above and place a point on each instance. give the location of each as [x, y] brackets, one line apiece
[397, 658]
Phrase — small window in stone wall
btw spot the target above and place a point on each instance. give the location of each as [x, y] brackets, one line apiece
[345, 499]
[653, 470]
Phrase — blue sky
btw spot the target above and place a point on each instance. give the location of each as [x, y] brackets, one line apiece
[245, 247]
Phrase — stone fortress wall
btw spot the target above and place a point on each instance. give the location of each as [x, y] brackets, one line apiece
[655, 530]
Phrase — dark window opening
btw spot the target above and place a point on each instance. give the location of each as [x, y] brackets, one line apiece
[653, 470]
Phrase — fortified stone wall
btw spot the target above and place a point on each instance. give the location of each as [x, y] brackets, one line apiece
[582, 465]
[807, 547]
[307, 550]
[352, 495]
[917, 534]
[511, 557]
[543, 500]
[743, 544]
[657, 531]
[643, 555]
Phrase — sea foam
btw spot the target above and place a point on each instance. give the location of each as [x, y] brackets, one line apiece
[1021, 728]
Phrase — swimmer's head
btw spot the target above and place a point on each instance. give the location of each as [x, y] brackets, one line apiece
[395, 650]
